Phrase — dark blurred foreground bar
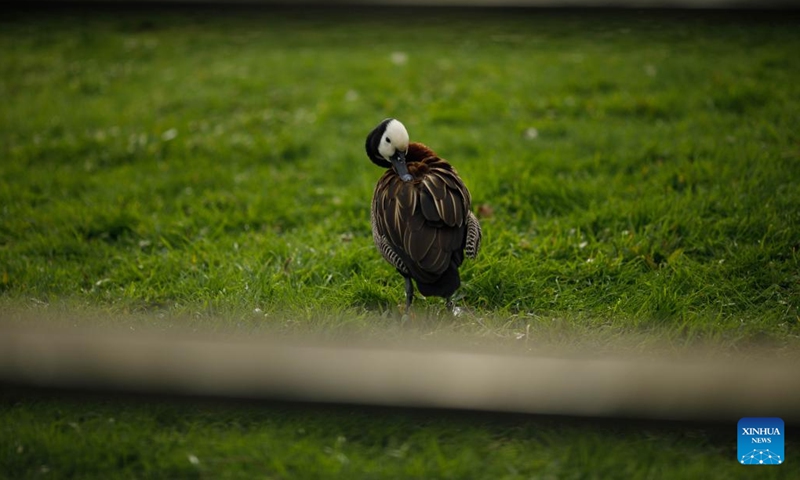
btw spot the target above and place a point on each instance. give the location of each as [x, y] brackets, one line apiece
[699, 4]
[189, 366]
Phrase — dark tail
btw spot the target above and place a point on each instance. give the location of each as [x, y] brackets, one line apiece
[445, 286]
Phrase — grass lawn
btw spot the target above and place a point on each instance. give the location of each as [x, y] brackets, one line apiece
[134, 439]
[636, 175]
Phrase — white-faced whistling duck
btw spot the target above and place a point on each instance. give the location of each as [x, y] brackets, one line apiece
[421, 218]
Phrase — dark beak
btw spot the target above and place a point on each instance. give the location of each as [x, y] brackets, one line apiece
[399, 164]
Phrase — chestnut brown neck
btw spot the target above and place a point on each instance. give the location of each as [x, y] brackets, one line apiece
[418, 152]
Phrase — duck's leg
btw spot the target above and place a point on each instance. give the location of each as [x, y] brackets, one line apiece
[409, 293]
[449, 304]
[407, 314]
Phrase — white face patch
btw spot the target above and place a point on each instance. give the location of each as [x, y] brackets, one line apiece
[394, 138]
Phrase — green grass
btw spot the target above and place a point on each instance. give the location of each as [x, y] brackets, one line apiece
[174, 440]
[636, 174]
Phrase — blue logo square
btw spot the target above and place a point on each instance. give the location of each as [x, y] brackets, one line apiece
[761, 441]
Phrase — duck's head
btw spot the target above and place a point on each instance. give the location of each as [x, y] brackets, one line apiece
[387, 146]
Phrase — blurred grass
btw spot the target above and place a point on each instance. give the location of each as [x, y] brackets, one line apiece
[636, 174]
[105, 439]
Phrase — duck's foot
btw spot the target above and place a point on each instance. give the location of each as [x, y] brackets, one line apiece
[406, 314]
[450, 305]
[454, 309]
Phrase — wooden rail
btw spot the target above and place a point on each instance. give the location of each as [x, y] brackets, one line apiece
[407, 377]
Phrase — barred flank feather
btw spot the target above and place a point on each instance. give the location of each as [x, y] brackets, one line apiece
[473, 237]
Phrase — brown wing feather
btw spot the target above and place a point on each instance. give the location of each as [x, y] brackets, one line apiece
[429, 207]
